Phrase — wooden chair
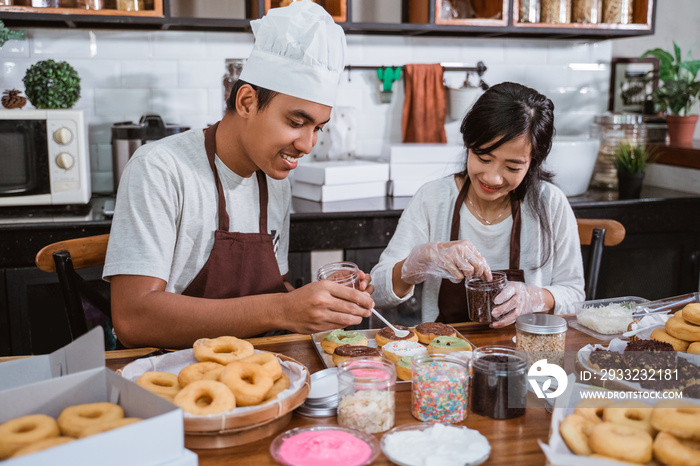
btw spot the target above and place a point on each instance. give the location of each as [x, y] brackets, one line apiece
[81, 298]
[597, 233]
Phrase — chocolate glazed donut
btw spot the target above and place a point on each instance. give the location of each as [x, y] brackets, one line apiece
[354, 351]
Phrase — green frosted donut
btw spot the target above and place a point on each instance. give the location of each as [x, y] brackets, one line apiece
[406, 361]
[345, 337]
[449, 342]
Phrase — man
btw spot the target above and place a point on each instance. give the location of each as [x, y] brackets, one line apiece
[198, 246]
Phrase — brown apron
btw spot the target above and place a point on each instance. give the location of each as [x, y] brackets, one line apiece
[452, 299]
[240, 264]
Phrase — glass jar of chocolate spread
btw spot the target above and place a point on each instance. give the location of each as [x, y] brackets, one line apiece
[343, 273]
[480, 295]
[366, 389]
[499, 382]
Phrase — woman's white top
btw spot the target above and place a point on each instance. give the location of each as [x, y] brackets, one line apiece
[428, 218]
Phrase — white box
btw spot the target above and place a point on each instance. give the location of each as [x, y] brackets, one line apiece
[56, 383]
[405, 187]
[86, 352]
[423, 171]
[352, 205]
[346, 172]
[424, 153]
[338, 192]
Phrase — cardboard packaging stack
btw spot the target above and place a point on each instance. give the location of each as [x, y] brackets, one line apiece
[75, 374]
[413, 165]
[340, 180]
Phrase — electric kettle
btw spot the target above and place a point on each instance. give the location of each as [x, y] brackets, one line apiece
[128, 136]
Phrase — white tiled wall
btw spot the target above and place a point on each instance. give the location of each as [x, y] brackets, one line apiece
[178, 75]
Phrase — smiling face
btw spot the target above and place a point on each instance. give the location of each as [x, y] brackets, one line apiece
[276, 137]
[495, 174]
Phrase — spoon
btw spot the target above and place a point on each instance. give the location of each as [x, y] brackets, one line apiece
[397, 332]
[634, 332]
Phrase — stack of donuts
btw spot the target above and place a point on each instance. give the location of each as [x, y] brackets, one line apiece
[36, 432]
[429, 337]
[634, 431]
[228, 373]
[682, 330]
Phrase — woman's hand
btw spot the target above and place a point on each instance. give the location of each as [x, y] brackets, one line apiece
[453, 260]
[517, 299]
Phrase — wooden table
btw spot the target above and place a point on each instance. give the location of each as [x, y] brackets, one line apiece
[513, 441]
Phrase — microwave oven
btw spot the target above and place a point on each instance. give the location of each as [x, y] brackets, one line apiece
[44, 158]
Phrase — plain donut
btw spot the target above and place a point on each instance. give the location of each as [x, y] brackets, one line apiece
[621, 442]
[23, 431]
[592, 408]
[631, 413]
[223, 350]
[74, 419]
[679, 418]
[208, 370]
[575, 429]
[248, 382]
[691, 313]
[163, 384]
[205, 397]
[268, 361]
[671, 450]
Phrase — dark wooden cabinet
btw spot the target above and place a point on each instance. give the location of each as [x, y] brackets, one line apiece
[488, 18]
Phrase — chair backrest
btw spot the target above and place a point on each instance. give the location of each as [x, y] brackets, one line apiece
[85, 306]
[597, 233]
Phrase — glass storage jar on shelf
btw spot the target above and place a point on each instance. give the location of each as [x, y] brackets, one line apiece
[529, 11]
[587, 11]
[131, 5]
[618, 11]
[555, 11]
[613, 129]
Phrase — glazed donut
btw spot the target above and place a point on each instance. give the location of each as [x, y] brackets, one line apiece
[74, 419]
[386, 335]
[345, 352]
[339, 337]
[395, 350]
[248, 382]
[660, 335]
[679, 418]
[208, 370]
[630, 413]
[694, 347]
[42, 445]
[268, 361]
[691, 313]
[592, 408]
[404, 368]
[448, 345]
[429, 330]
[205, 397]
[163, 384]
[621, 442]
[670, 450]
[109, 425]
[677, 327]
[280, 384]
[223, 350]
[23, 431]
[575, 429]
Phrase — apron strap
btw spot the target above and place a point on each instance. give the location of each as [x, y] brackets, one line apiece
[210, 146]
[262, 188]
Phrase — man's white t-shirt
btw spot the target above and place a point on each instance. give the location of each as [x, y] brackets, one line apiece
[165, 214]
[428, 218]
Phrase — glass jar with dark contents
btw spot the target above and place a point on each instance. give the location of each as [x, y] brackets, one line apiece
[499, 382]
[480, 296]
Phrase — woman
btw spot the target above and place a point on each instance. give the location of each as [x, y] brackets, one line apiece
[501, 212]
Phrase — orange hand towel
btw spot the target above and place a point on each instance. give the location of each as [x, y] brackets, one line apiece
[424, 104]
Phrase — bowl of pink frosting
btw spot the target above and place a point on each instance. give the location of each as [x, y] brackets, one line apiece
[324, 446]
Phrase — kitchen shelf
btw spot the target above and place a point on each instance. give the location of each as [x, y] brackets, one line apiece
[489, 18]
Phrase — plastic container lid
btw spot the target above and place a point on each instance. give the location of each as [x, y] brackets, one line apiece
[541, 324]
[324, 389]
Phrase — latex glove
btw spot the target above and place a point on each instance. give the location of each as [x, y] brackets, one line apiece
[453, 260]
[516, 299]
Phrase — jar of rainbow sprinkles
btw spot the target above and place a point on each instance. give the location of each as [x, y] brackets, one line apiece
[440, 388]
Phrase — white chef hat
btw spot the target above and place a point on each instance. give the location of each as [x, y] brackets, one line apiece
[298, 51]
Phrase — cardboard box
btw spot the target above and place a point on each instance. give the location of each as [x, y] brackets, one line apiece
[157, 439]
[338, 192]
[345, 172]
[423, 153]
[405, 187]
[422, 171]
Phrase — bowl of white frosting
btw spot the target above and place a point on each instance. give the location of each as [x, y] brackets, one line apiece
[414, 445]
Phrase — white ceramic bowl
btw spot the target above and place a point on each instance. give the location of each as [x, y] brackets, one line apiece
[572, 160]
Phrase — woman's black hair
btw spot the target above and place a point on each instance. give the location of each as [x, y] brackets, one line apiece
[507, 111]
[264, 95]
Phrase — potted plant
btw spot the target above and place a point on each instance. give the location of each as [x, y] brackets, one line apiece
[678, 92]
[631, 163]
[51, 84]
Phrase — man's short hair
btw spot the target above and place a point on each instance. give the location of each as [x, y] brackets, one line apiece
[264, 95]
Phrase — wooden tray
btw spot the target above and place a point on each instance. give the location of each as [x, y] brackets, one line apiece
[327, 359]
[235, 437]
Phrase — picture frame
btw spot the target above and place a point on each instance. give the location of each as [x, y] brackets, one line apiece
[631, 80]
